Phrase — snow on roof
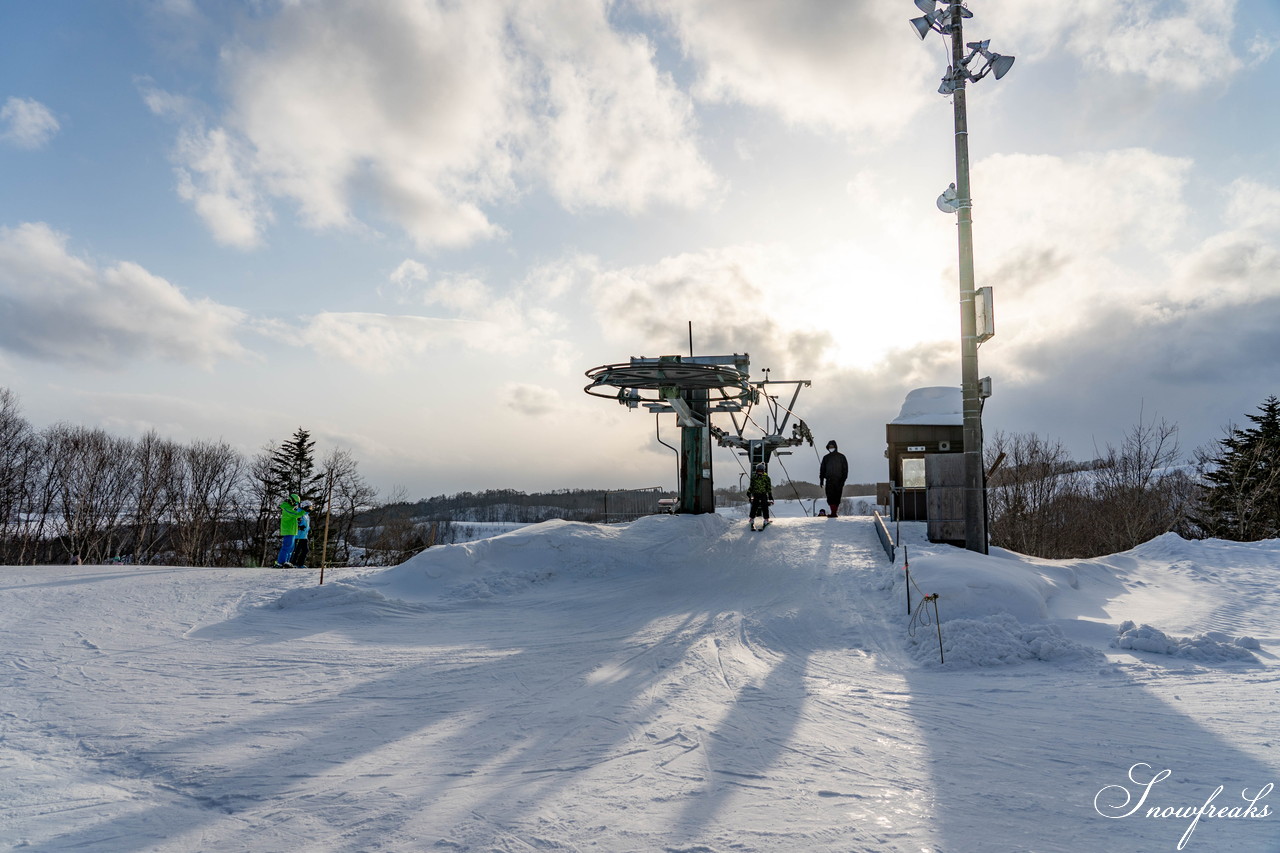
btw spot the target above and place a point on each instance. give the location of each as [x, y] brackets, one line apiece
[939, 405]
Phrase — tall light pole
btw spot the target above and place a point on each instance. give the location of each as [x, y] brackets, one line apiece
[949, 21]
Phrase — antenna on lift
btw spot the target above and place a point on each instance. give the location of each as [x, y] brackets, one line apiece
[693, 388]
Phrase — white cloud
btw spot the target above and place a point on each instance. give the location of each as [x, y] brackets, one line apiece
[1252, 204]
[1059, 235]
[60, 308]
[381, 343]
[1184, 44]
[409, 271]
[465, 314]
[729, 295]
[1094, 261]
[533, 400]
[213, 179]
[1099, 201]
[26, 123]
[405, 278]
[214, 172]
[427, 112]
[616, 132]
[851, 67]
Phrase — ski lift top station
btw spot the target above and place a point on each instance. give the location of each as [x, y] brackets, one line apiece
[694, 388]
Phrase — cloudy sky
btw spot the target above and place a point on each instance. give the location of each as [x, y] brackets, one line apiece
[411, 225]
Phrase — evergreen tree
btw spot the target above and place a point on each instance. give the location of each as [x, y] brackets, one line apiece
[293, 467]
[1242, 480]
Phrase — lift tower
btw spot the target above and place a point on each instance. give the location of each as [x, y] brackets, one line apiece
[694, 388]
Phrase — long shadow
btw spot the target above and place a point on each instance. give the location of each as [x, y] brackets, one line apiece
[490, 709]
[1038, 757]
[744, 755]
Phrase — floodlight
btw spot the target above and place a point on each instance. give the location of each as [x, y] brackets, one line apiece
[931, 22]
[951, 81]
[997, 64]
[923, 26]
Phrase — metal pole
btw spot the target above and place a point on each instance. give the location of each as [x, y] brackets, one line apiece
[975, 537]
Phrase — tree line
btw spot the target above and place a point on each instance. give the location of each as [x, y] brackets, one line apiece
[1044, 504]
[72, 493]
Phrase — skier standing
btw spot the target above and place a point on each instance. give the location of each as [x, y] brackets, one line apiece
[290, 511]
[300, 544]
[833, 472]
[760, 493]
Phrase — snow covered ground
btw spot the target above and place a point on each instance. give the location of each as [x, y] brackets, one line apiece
[676, 684]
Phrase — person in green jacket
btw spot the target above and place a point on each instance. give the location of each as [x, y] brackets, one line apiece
[290, 511]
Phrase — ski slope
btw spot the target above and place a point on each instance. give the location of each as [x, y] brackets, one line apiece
[676, 684]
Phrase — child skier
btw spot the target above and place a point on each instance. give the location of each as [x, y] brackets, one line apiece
[300, 546]
[760, 493]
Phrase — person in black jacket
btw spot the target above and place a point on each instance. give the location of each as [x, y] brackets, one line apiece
[760, 493]
[832, 473]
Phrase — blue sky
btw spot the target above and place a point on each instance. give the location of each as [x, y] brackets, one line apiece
[410, 226]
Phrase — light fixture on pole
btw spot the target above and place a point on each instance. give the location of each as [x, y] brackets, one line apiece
[948, 20]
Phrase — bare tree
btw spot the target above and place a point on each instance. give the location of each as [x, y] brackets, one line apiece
[19, 461]
[1034, 496]
[1044, 504]
[92, 478]
[156, 466]
[261, 497]
[348, 494]
[1139, 490]
[203, 503]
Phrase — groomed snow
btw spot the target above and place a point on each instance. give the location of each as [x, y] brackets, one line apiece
[675, 684]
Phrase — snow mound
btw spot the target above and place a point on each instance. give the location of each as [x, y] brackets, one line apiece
[998, 640]
[550, 552]
[1211, 647]
[341, 594]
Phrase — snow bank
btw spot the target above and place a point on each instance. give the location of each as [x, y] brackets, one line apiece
[974, 586]
[996, 609]
[997, 641]
[552, 551]
[1213, 647]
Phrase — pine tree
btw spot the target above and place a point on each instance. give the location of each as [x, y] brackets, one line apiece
[1242, 481]
[293, 466]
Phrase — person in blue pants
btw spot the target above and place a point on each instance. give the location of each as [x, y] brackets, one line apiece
[300, 545]
[290, 511]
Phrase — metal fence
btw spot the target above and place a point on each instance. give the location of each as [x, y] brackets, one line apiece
[886, 538]
[630, 504]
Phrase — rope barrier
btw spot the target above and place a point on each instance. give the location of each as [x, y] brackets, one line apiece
[920, 617]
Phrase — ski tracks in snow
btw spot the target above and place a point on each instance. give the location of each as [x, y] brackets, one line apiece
[677, 685]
